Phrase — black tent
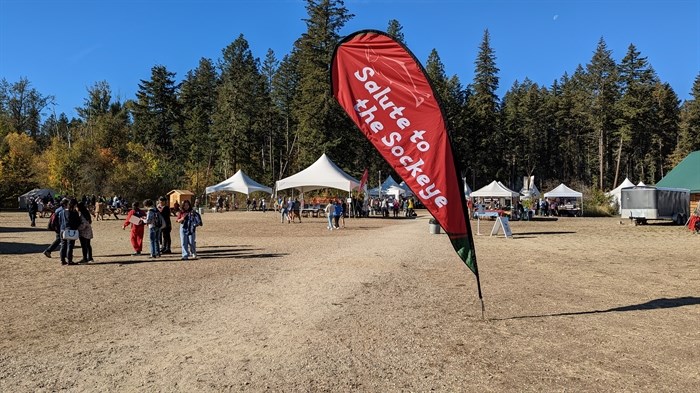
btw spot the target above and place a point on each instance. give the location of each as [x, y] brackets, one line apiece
[37, 192]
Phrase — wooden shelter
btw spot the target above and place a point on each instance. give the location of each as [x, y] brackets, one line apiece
[179, 196]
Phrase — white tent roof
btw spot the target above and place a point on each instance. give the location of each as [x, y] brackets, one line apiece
[495, 189]
[529, 189]
[616, 194]
[641, 184]
[406, 188]
[240, 182]
[388, 183]
[321, 174]
[562, 191]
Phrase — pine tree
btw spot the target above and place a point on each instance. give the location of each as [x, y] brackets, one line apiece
[241, 103]
[602, 83]
[322, 124]
[689, 140]
[156, 111]
[395, 30]
[484, 107]
[196, 141]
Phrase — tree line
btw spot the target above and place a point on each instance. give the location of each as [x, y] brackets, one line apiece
[271, 118]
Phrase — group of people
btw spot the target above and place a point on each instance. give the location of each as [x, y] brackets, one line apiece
[71, 218]
[72, 221]
[157, 219]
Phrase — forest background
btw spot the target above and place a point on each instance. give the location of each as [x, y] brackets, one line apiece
[272, 117]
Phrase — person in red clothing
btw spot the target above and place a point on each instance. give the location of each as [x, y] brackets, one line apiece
[136, 227]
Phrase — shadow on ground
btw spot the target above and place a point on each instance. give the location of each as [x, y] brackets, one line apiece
[655, 304]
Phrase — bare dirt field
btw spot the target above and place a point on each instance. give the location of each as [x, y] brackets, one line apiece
[578, 304]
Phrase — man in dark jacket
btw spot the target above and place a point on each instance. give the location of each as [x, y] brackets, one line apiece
[165, 212]
[57, 227]
[33, 208]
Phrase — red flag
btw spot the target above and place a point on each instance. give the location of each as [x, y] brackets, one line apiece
[384, 90]
[363, 181]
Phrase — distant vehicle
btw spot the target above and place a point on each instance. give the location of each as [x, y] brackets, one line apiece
[644, 203]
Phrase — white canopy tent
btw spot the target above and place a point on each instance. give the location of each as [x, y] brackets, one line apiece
[565, 194]
[321, 174]
[406, 188]
[388, 183]
[494, 189]
[562, 191]
[641, 184]
[240, 182]
[616, 194]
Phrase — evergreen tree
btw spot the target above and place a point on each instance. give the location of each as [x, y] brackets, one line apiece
[196, 141]
[322, 124]
[602, 83]
[689, 140]
[635, 114]
[395, 30]
[156, 111]
[241, 104]
[484, 107]
[285, 85]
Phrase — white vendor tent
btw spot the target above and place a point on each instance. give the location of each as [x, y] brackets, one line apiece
[494, 189]
[386, 185]
[562, 191]
[321, 174]
[240, 182]
[406, 188]
[615, 195]
[641, 184]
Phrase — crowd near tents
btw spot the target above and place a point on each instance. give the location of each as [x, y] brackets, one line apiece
[41, 193]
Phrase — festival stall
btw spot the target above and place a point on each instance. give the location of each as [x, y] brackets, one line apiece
[240, 182]
[493, 199]
[569, 202]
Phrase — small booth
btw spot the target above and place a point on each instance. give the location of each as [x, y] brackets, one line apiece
[180, 196]
[568, 202]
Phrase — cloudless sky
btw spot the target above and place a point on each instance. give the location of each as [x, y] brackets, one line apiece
[65, 47]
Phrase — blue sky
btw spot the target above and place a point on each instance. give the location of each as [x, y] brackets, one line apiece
[64, 47]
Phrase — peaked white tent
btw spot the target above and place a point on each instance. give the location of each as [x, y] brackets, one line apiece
[321, 174]
[616, 194]
[529, 189]
[406, 188]
[641, 184]
[494, 189]
[388, 183]
[239, 182]
[562, 191]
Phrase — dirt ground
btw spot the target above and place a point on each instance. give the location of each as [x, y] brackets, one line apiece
[577, 304]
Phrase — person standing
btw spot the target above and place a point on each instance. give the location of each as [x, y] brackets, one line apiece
[263, 205]
[136, 236]
[330, 210]
[55, 224]
[85, 232]
[186, 240]
[69, 219]
[33, 208]
[337, 212]
[165, 232]
[153, 223]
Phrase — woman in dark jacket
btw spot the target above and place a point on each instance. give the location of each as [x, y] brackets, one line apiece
[70, 219]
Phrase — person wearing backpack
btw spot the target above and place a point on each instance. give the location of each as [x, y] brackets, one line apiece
[55, 225]
[154, 221]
